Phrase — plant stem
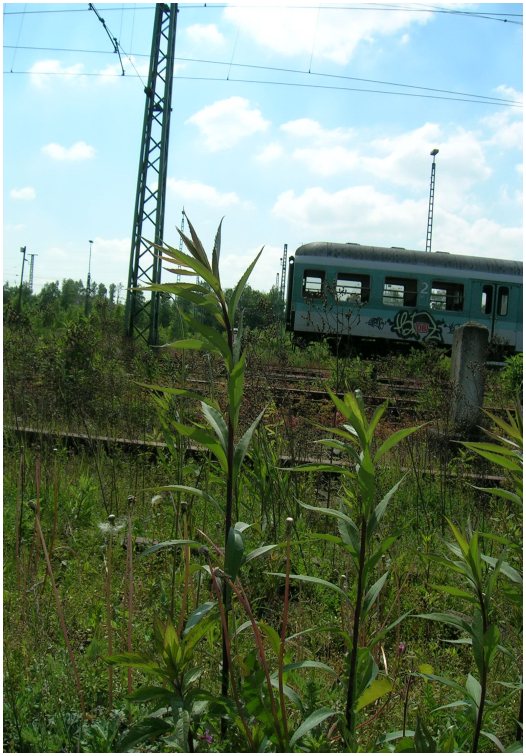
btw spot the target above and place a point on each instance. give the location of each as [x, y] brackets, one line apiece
[240, 593]
[284, 632]
[224, 626]
[109, 617]
[351, 689]
[60, 613]
[129, 570]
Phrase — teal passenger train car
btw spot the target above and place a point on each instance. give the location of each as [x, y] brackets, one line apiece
[364, 297]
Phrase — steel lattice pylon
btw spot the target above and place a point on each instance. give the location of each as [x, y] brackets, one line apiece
[142, 312]
[429, 234]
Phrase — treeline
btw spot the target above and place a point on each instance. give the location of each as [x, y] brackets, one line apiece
[56, 303]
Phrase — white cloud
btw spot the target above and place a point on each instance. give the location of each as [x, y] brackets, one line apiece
[509, 93]
[43, 72]
[24, 193]
[358, 213]
[226, 122]
[319, 33]
[505, 129]
[112, 72]
[194, 191]
[116, 250]
[205, 34]
[482, 237]
[308, 128]
[270, 153]
[401, 159]
[365, 215]
[77, 151]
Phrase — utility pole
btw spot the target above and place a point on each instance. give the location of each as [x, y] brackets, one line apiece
[181, 242]
[283, 273]
[142, 315]
[31, 267]
[434, 153]
[88, 284]
[23, 251]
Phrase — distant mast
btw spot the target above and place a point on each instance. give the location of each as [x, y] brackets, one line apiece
[434, 153]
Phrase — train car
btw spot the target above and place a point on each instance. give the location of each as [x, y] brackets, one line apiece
[361, 296]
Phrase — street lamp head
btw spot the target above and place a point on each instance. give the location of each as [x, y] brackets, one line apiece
[434, 152]
[91, 240]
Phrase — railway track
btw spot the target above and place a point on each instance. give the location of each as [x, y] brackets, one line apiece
[73, 440]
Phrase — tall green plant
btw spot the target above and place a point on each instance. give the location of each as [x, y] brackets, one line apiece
[220, 434]
[480, 631]
[358, 519]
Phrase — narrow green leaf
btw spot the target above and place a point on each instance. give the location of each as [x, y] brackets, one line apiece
[150, 693]
[195, 246]
[373, 592]
[377, 416]
[243, 444]
[255, 553]
[378, 688]
[379, 511]
[494, 739]
[313, 720]
[170, 545]
[382, 633]
[217, 423]
[234, 553]
[217, 251]
[308, 664]
[236, 295]
[213, 340]
[271, 634]
[367, 671]
[198, 614]
[314, 580]
[150, 727]
[463, 544]
[448, 619]
[473, 689]
[393, 440]
[189, 343]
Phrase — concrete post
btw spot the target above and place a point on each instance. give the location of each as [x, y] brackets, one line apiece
[468, 358]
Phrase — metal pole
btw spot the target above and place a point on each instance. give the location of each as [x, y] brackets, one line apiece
[434, 153]
[148, 226]
[31, 268]
[88, 286]
[23, 251]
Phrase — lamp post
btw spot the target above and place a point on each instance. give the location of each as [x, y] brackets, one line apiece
[433, 153]
[23, 251]
[88, 286]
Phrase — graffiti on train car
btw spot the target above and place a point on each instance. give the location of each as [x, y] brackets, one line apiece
[418, 325]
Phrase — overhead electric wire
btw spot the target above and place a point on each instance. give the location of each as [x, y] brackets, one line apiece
[454, 95]
[488, 101]
[485, 15]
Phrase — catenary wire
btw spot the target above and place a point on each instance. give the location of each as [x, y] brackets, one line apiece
[483, 98]
[487, 15]
[284, 84]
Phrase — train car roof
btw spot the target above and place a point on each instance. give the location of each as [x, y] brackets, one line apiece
[399, 255]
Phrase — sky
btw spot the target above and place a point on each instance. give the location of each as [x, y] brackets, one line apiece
[294, 122]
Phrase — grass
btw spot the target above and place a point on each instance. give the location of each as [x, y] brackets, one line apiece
[81, 590]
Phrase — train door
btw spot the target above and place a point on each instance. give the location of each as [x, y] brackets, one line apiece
[495, 306]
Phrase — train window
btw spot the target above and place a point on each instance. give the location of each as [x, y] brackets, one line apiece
[446, 296]
[313, 283]
[352, 287]
[487, 299]
[400, 292]
[503, 300]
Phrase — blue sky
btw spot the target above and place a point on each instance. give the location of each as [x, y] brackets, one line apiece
[271, 133]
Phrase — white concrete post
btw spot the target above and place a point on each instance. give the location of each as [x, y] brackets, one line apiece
[468, 359]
